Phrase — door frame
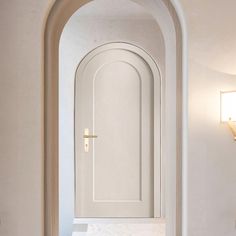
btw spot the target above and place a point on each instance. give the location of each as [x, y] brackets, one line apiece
[158, 184]
[169, 15]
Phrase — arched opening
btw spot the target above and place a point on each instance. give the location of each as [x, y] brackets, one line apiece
[172, 118]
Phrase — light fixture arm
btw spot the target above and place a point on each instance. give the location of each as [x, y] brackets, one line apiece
[232, 127]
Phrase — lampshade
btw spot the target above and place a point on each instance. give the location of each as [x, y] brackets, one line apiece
[228, 106]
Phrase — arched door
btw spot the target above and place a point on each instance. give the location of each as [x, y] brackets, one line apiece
[117, 126]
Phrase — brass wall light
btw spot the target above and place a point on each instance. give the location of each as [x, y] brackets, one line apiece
[228, 110]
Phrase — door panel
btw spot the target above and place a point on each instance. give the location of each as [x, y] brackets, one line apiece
[116, 119]
[114, 99]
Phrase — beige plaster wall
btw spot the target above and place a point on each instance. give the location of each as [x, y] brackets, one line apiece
[212, 152]
[21, 126]
[212, 156]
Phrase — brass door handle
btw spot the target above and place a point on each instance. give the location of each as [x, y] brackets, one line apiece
[86, 137]
[90, 136]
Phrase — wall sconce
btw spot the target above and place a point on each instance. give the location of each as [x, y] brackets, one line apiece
[228, 110]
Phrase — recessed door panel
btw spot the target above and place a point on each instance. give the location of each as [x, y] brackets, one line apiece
[116, 118]
[114, 135]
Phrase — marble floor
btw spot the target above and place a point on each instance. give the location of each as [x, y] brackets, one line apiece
[123, 230]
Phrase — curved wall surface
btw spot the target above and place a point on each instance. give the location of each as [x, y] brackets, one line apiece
[87, 29]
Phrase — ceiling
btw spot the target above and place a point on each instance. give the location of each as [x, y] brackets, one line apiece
[113, 9]
[212, 33]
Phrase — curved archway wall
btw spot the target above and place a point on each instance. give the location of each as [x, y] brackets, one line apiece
[131, 24]
[165, 15]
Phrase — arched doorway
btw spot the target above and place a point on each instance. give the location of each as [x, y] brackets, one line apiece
[173, 141]
[124, 90]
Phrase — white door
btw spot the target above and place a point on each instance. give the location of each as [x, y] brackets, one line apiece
[114, 134]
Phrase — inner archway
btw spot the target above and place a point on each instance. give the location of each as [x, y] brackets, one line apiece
[58, 17]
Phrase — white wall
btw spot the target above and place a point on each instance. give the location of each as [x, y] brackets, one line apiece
[212, 175]
[81, 35]
[212, 150]
[212, 156]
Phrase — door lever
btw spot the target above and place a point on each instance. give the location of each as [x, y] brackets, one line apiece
[86, 137]
[90, 136]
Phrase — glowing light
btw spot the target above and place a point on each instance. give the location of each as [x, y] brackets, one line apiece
[228, 106]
